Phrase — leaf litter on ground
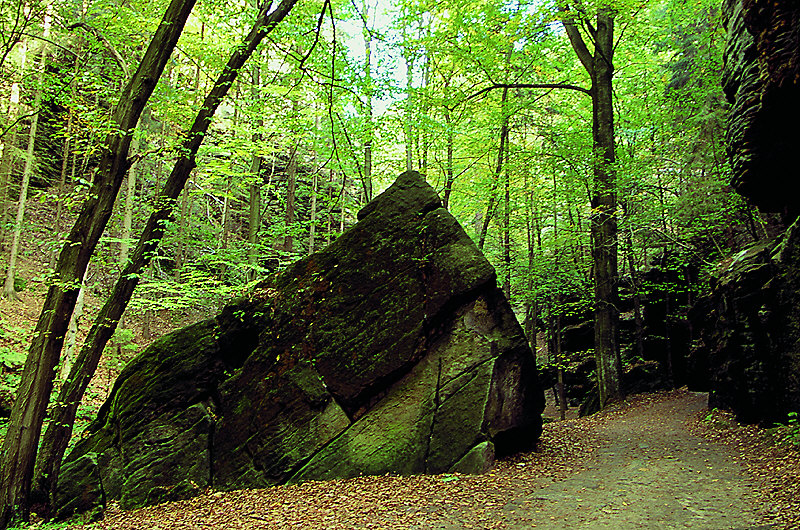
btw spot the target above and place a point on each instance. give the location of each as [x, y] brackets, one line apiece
[505, 497]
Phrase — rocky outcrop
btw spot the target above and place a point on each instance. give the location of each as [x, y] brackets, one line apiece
[749, 352]
[750, 342]
[762, 81]
[391, 351]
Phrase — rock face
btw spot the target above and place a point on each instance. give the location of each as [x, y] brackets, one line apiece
[391, 351]
[749, 353]
[762, 81]
[750, 343]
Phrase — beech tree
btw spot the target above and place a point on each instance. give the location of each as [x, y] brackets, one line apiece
[600, 67]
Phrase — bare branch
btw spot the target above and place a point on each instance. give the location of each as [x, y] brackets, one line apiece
[565, 86]
[105, 42]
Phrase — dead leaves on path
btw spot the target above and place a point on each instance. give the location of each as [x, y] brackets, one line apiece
[385, 502]
[502, 498]
[775, 467]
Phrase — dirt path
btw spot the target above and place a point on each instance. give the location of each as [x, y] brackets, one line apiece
[640, 465]
[651, 472]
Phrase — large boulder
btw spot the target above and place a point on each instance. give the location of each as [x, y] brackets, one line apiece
[391, 351]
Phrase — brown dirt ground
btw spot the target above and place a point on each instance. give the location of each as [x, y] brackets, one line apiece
[653, 461]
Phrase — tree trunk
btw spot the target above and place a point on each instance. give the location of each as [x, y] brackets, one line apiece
[254, 224]
[312, 229]
[369, 133]
[254, 216]
[409, 110]
[71, 339]
[33, 394]
[604, 221]
[504, 130]
[507, 232]
[127, 216]
[449, 170]
[291, 188]
[60, 428]
[599, 65]
[8, 288]
[9, 145]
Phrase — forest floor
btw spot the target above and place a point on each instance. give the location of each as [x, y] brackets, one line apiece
[652, 461]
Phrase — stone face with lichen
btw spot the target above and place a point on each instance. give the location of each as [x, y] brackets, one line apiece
[390, 351]
[762, 82]
[749, 350]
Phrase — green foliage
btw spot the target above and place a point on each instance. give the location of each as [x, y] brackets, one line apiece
[789, 433]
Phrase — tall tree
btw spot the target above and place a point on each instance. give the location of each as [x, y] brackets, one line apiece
[600, 67]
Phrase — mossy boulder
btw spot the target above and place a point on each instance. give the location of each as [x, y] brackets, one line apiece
[390, 351]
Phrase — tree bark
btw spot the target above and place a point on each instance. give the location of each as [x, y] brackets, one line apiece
[33, 394]
[504, 131]
[600, 67]
[9, 145]
[604, 220]
[9, 291]
[291, 188]
[60, 429]
[369, 133]
[312, 229]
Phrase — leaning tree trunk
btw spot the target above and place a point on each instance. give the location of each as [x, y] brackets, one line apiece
[36, 384]
[60, 428]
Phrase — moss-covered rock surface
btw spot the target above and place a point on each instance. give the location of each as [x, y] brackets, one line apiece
[390, 351]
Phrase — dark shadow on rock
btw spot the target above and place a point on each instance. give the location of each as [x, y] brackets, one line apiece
[390, 351]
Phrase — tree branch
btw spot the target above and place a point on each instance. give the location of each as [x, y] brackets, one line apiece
[581, 50]
[105, 42]
[495, 86]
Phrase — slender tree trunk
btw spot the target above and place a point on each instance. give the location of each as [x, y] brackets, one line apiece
[9, 145]
[409, 110]
[507, 232]
[449, 170]
[291, 189]
[490, 207]
[254, 216]
[63, 416]
[312, 229]
[71, 339]
[342, 202]
[369, 133]
[9, 291]
[33, 394]
[127, 215]
[254, 224]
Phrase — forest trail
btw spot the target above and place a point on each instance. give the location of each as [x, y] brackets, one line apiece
[650, 471]
[643, 463]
